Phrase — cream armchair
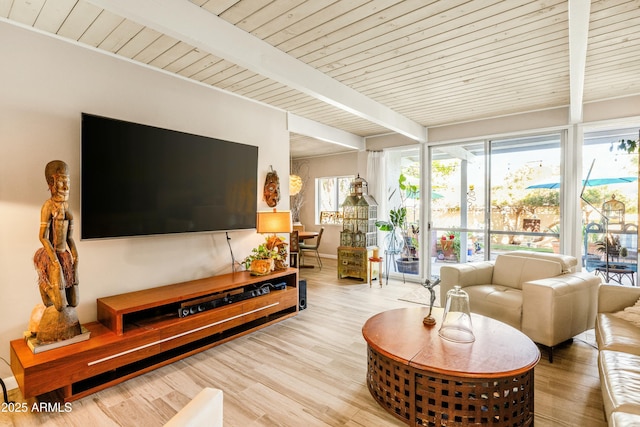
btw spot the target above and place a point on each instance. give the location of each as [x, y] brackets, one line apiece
[537, 293]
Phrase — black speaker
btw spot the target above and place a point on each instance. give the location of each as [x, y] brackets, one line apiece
[302, 294]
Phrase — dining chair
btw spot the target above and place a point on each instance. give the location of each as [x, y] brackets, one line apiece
[305, 247]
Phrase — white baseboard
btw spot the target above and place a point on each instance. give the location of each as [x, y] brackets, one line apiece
[10, 383]
[328, 256]
[332, 256]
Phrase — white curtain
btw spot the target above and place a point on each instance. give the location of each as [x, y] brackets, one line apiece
[376, 177]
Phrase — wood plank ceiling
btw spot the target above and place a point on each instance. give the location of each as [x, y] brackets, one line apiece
[431, 62]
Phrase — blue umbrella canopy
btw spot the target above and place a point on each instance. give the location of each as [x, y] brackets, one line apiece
[416, 195]
[592, 182]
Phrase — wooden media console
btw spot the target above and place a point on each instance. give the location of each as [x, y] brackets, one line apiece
[139, 331]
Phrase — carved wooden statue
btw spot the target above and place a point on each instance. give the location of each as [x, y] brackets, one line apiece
[57, 260]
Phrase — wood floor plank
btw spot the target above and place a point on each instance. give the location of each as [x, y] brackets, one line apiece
[310, 370]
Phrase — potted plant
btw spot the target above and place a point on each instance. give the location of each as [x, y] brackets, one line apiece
[555, 241]
[624, 252]
[399, 241]
[270, 255]
[450, 244]
[610, 247]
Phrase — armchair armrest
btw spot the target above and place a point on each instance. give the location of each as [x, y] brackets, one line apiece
[612, 298]
[472, 273]
[558, 308]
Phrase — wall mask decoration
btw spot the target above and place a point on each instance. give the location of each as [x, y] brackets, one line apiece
[272, 188]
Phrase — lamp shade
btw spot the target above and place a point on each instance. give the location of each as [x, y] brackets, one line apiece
[295, 184]
[274, 222]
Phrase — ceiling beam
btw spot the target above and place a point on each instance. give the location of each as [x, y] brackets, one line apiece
[304, 126]
[579, 11]
[191, 24]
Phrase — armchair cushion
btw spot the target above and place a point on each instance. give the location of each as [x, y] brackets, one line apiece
[512, 271]
[499, 302]
[567, 262]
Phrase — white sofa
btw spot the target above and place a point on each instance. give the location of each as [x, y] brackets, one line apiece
[537, 293]
[619, 355]
[204, 410]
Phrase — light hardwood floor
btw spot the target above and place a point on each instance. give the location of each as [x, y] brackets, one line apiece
[310, 370]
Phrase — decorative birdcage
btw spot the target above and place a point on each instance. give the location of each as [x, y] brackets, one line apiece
[359, 187]
[359, 215]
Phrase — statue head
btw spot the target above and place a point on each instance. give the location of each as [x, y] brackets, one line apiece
[57, 174]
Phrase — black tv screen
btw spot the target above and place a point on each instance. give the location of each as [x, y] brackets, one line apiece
[139, 180]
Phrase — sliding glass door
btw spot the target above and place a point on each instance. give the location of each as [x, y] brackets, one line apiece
[458, 208]
[610, 205]
[494, 196]
[402, 244]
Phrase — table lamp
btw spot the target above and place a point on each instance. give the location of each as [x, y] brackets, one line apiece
[274, 222]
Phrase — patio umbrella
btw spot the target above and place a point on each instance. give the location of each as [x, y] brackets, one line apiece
[592, 182]
[416, 195]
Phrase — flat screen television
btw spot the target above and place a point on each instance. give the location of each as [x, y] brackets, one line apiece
[139, 180]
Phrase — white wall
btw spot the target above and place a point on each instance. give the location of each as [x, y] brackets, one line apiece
[46, 84]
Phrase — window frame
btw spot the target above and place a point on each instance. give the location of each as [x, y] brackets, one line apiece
[337, 202]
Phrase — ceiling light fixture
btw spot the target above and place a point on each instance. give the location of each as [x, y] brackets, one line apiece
[295, 184]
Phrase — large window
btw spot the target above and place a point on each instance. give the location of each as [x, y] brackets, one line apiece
[331, 192]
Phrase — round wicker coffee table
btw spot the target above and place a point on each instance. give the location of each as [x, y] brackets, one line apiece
[425, 380]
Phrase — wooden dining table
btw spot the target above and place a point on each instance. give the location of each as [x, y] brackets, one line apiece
[304, 235]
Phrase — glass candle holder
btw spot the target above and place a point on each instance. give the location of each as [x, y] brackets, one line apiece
[456, 321]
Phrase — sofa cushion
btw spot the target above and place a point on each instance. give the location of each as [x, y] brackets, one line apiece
[512, 271]
[502, 303]
[612, 298]
[613, 333]
[620, 382]
[630, 314]
[624, 419]
[567, 262]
